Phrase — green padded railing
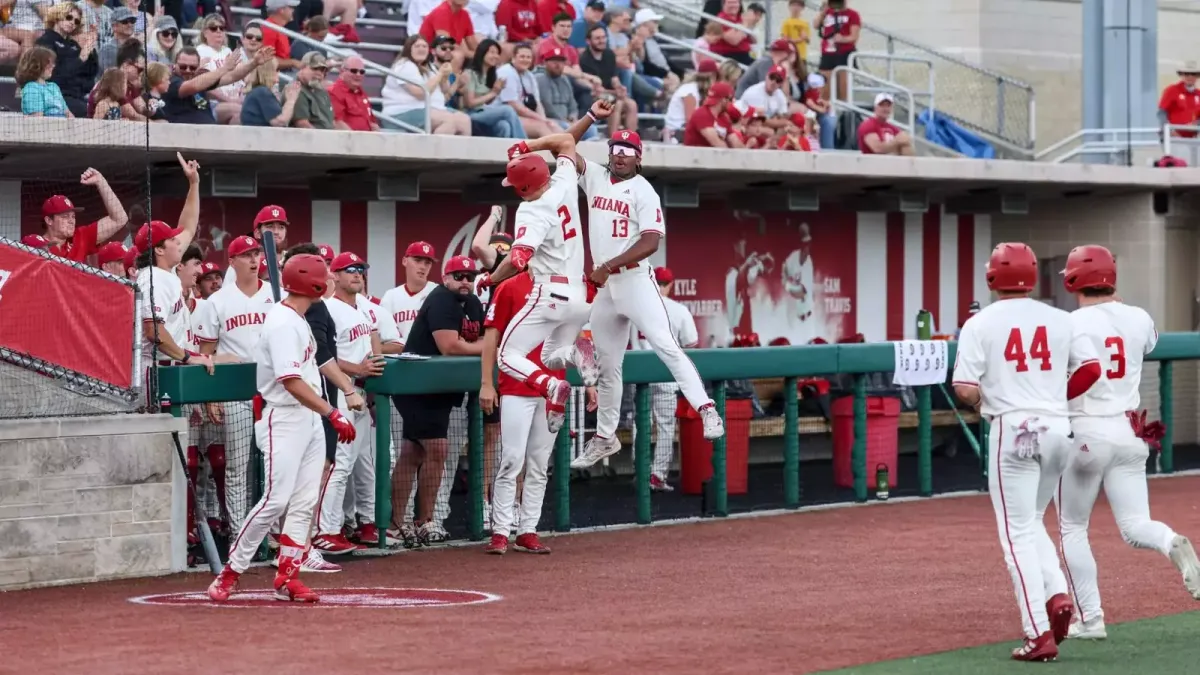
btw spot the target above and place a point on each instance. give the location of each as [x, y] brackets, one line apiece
[191, 384]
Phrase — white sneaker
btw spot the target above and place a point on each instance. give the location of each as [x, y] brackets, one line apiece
[1093, 629]
[313, 562]
[430, 533]
[597, 449]
[1184, 558]
[713, 426]
[584, 357]
[559, 394]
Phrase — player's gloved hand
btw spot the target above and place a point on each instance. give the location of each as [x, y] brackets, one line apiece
[517, 149]
[1027, 433]
[343, 427]
[592, 289]
[1151, 432]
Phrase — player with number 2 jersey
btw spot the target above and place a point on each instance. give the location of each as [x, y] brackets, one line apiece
[1020, 361]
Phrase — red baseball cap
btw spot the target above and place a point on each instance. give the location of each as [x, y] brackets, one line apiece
[777, 71]
[57, 204]
[420, 249]
[271, 214]
[207, 269]
[326, 252]
[111, 252]
[664, 275]
[154, 232]
[130, 259]
[501, 238]
[782, 45]
[718, 92]
[347, 259]
[549, 50]
[242, 245]
[707, 66]
[460, 263]
[35, 241]
[799, 119]
[628, 138]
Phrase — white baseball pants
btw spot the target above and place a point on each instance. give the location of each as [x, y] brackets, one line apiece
[347, 461]
[358, 506]
[239, 433]
[633, 296]
[292, 441]
[1105, 453]
[1021, 489]
[554, 314]
[662, 411]
[525, 443]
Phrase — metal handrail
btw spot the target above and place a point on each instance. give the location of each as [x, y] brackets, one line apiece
[677, 6]
[696, 50]
[368, 65]
[250, 11]
[851, 73]
[891, 71]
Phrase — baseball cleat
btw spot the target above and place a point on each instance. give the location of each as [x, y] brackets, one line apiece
[367, 534]
[529, 543]
[1183, 556]
[430, 533]
[294, 590]
[223, 586]
[558, 393]
[1088, 630]
[1059, 609]
[585, 361]
[313, 561]
[334, 544]
[1041, 648]
[497, 546]
[597, 449]
[658, 484]
[713, 426]
[406, 535]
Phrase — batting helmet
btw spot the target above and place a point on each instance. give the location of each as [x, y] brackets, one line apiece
[305, 275]
[1012, 267]
[526, 174]
[1091, 266]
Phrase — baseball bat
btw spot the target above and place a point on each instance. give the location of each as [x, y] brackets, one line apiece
[272, 260]
[206, 537]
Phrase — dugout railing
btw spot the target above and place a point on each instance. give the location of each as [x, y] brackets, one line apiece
[236, 382]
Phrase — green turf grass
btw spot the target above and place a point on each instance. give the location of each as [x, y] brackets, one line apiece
[1166, 645]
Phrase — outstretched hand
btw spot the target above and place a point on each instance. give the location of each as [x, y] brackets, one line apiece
[602, 109]
[191, 168]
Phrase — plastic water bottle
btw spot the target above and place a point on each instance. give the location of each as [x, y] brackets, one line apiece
[881, 482]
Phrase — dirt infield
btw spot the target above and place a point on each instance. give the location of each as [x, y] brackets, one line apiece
[795, 593]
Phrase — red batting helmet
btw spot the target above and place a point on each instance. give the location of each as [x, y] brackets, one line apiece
[1012, 267]
[305, 275]
[1091, 266]
[526, 174]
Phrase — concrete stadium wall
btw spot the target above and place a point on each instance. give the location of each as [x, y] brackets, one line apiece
[89, 499]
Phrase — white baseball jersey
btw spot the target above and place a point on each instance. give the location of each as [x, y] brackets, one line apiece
[286, 350]
[683, 327]
[354, 328]
[798, 275]
[404, 306]
[1122, 335]
[549, 226]
[381, 320]
[165, 305]
[189, 307]
[1019, 352]
[234, 320]
[619, 213]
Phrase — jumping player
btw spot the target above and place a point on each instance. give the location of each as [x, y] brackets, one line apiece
[1110, 439]
[549, 245]
[1013, 363]
[626, 227]
[289, 433]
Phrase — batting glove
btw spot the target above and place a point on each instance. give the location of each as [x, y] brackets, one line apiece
[343, 427]
[1027, 438]
[517, 149]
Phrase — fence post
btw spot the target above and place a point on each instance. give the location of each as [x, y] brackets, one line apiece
[719, 486]
[562, 476]
[1166, 397]
[925, 441]
[858, 456]
[791, 443]
[475, 466]
[641, 452]
[383, 458]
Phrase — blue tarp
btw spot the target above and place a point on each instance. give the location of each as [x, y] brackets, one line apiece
[940, 130]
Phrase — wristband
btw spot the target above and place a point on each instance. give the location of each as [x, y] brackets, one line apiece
[607, 267]
[593, 117]
[187, 356]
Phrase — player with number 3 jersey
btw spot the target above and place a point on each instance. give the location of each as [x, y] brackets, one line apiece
[1111, 439]
[1020, 361]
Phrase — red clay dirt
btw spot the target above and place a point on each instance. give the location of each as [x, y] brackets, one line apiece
[795, 593]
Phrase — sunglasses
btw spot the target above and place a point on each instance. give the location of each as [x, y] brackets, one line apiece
[354, 269]
[127, 22]
[318, 69]
[445, 47]
[73, 19]
[186, 68]
[169, 33]
[357, 71]
[624, 151]
[463, 276]
[217, 29]
[251, 36]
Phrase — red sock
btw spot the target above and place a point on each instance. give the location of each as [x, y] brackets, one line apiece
[290, 556]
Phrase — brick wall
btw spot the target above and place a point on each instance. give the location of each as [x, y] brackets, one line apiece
[89, 498]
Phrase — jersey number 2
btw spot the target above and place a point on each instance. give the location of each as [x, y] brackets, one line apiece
[1118, 358]
[1039, 349]
[565, 214]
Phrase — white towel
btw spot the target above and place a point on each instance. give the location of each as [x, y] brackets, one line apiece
[920, 362]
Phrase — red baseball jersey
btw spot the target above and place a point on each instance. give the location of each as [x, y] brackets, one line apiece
[507, 301]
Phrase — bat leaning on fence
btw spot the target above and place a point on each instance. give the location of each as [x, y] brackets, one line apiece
[201, 524]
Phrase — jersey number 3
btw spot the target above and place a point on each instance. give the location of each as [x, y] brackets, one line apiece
[1039, 349]
[565, 214]
[1117, 345]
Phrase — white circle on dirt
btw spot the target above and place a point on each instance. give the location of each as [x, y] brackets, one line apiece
[335, 598]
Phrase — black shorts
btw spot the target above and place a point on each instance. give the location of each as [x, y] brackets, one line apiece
[426, 416]
[831, 61]
[331, 440]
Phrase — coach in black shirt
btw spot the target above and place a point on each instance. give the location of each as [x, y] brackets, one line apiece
[450, 323]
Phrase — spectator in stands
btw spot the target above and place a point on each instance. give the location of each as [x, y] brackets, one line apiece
[583, 84]
[345, 10]
[686, 98]
[839, 28]
[213, 47]
[120, 32]
[779, 54]
[652, 65]
[252, 40]
[796, 29]
[315, 29]
[77, 243]
[109, 95]
[557, 92]
[734, 44]
[23, 27]
[768, 98]
[519, 19]
[549, 12]
[39, 96]
[600, 61]
[280, 13]
[730, 73]
[111, 258]
[185, 99]
[442, 52]
[702, 128]
[483, 18]
[752, 19]
[75, 63]
[703, 45]
[416, 88]
[262, 107]
[756, 135]
[794, 136]
[815, 101]
[481, 95]
[593, 15]
[520, 91]
[878, 136]
[165, 43]
[97, 17]
[158, 83]
[417, 10]
[452, 18]
[1180, 102]
[351, 106]
[314, 109]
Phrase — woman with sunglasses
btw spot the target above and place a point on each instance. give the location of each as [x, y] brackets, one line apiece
[75, 62]
[213, 47]
[165, 43]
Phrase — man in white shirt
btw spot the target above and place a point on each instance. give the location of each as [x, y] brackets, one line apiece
[404, 302]
[768, 97]
[664, 394]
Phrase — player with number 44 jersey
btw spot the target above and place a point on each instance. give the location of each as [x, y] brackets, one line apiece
[1111, 439]
[1020, 360]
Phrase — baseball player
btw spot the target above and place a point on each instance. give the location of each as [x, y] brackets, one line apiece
[130, 262]
[549, 245]
[289, 433]
[35, 241]
[209, 437]
[1013, 362]
[626, 227]
[738, 282]
[490, 246]
[1110, 439]
[187, 270]
[798, 278]
[273, 219]
[663, 396]
[111, 258]
[211, 278]
[66, 240]
[359, 355]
